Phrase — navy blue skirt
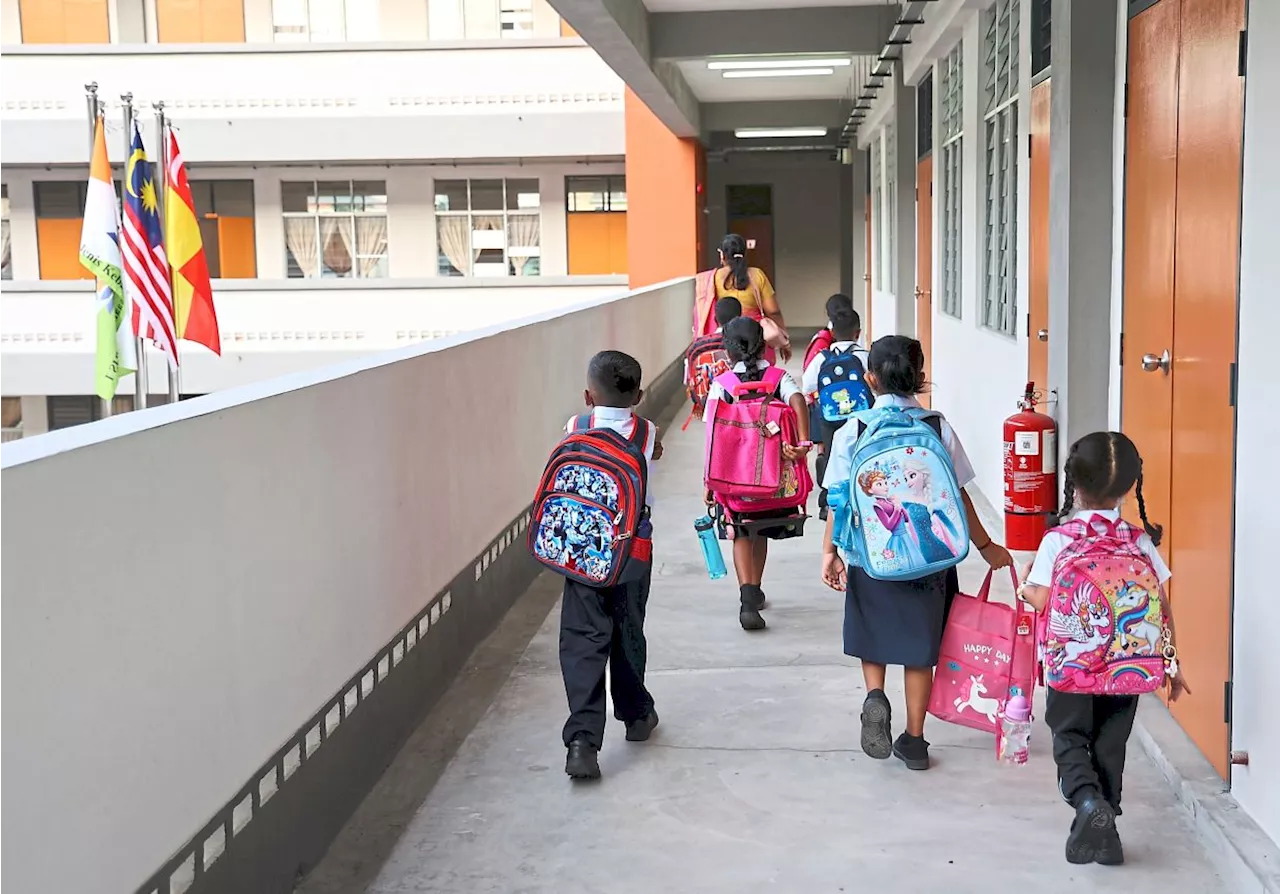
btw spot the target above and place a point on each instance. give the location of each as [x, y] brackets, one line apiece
[897, 622]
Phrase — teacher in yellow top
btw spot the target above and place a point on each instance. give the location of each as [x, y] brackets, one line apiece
[735, 279]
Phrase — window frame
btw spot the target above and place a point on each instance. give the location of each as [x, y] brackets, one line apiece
[506, 212]
[951, 133]
[999, 301]
[357, 256]
[6, 262]
[610, 182]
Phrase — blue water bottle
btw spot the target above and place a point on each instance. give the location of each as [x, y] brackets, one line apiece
[706, 529]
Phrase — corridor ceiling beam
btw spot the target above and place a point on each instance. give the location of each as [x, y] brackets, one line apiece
[726, 116]
[842, 30]
[619, 30]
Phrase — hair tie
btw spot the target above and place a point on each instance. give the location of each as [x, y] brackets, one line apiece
[737, 256]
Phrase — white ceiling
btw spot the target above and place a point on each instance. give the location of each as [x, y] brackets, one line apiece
[711, 86]
[732, 5]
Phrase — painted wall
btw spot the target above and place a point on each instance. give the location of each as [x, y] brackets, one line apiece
[662, 198]
[345, 511]
[979, 374]
[808, 247]
[1255, 660]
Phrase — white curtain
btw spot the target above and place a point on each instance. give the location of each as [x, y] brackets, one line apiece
[485, 222]
[300, 236]
[454, 237]
[523, 232]
[339, 244]
[371, 243]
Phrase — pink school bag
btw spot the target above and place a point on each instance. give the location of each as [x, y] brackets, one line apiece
[1104, 631]
[988, 655]
[745, 469]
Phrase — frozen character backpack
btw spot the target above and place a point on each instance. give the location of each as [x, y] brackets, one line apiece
[589, 519]
[704, 359]
[841, 389]
[901, 515]
[1104, 631]
[745, 469]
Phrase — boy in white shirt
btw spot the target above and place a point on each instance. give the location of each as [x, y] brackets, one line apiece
[604, 627]
[846, 327]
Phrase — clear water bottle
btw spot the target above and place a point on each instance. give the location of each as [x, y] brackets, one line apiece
[706, 529]
[1015, 732]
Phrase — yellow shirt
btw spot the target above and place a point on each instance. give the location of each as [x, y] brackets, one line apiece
[759, 285]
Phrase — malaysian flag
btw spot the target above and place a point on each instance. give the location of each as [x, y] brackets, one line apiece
[146, 272]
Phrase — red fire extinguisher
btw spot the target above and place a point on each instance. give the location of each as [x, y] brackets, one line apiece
[1030, 474]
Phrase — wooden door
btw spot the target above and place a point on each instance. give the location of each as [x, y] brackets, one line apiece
[924, 264]
[1205, 274]
[758, 231]
[866, 276]
[1038, 257]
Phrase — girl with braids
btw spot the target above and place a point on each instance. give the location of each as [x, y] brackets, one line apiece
[1090, 732]
[734, 278]
[745, 345]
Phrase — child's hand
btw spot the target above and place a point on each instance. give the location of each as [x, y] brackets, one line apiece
[794, 453]
[1177, 686]
[834, 574]
[657, 450]
[996, 556]
[709, 498]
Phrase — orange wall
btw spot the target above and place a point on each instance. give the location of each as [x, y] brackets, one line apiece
[664, 199]
[597, 242]
[200, 21]
[64, 21]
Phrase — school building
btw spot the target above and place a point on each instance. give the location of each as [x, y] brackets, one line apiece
[299, 568]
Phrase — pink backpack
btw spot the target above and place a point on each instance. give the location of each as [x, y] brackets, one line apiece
[1104, 631]
[745, 469]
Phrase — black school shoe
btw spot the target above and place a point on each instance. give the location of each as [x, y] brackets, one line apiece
[1093, 834]
[752, 600]
[912, 751]
[876, 733]
[639, 730]
[583, 761]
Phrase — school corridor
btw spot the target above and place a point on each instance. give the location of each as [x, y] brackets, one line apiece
[754, 780]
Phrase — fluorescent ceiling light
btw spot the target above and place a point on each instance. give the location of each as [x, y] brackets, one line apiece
[779, 73]
[748, 133]
[731, 64]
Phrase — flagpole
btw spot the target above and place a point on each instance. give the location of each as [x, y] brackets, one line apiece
[140, 378]
[162, 127]
[94, 106]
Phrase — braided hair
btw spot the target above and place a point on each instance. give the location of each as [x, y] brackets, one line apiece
[734, 251]
[1105, 466]
[744, 343]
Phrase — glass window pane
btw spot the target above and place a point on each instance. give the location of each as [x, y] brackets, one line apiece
[289, 20]
[202, 195]
[333, 196]
[617, 193]
[370, 195]
[371, 246]
[327, 21]
[232, 198]
[587, 193]
[522, 195]
[336, 243]
[60, 199]
[302, 253]
[486, 195]
[453, 241]
[451, 195]
[295, 197]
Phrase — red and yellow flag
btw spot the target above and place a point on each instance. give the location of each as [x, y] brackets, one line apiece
[192, 292]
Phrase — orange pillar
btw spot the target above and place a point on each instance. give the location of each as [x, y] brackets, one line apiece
[666, 226]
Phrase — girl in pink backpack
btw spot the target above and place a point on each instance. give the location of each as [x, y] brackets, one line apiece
[1107, 634]
[751, 531]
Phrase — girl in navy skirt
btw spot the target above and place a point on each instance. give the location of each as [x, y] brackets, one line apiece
[897, 622]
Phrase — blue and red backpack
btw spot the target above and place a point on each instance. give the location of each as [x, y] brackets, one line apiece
[590, 522]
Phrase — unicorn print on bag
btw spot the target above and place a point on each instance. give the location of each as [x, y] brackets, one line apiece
[973, 697]
[1083, 630]
[1133, 607]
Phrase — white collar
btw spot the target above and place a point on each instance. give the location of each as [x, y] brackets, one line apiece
[1086, 514]
[611, 414]
[895, 400]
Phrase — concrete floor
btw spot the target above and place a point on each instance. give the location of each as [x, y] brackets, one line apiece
[754, 781]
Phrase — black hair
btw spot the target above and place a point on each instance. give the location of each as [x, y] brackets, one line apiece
[845, 322]
[898, 364]
[614, 378]
[744, 343]
[727, 309]
[734, 249]
[1104, 466]
[837, 303]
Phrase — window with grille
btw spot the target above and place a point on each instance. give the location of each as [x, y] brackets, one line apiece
[1041, 36]
[951, 137]
[1000, 169]
[488, 227]
[335, 228]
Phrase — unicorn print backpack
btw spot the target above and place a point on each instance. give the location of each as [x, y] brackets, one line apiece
[1104, 631]
[901, 516]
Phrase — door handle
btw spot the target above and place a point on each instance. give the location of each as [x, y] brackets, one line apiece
[1152, 362]
[1043, 335]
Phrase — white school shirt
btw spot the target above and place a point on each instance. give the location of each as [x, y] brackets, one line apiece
[786, 389]
[838, 469]
[1054, 543]
[623, 421]
[810, 379]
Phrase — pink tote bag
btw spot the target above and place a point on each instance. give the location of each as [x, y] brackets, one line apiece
[988, 655]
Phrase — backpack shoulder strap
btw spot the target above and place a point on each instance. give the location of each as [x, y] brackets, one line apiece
[581, 423]
[773, 376]
[640, 432]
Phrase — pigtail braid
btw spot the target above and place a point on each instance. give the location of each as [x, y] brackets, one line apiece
[1155, 532]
